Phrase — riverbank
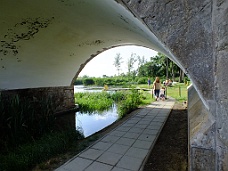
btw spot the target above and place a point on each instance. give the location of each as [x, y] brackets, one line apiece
[178, 115]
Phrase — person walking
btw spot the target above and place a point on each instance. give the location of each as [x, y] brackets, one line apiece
[156, 87]
[149, 82]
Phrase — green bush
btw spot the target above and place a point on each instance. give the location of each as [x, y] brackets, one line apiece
[99, 81]
[142, 80]
[79, 81]
[88, 81]
[131, 103]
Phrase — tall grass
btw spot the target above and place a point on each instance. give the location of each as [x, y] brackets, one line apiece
[28, 133]
[22, 121]
[126, 101]
[28, 155]
[93, 101]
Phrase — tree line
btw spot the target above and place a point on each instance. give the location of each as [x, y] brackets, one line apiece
[158, 66]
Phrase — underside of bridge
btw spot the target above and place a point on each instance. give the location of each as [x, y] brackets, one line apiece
[47, 44]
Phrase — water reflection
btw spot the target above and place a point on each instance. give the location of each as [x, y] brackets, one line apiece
[91, 123]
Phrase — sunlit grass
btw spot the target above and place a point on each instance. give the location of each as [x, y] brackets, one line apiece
[93, 101]
[178, 91]
[146, 97]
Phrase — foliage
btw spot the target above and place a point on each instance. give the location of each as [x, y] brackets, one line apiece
[160, 66]
[146, 98]
[117, 62]
[22, 120]
[28, 155]
[119, 96]
[78, 81]
[130, 64]
[126, 101]
[130, 103]
[99, 81]
[88, 81]
[93, 101]
[142, 80]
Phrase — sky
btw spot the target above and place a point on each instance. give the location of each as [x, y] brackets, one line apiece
[103, 64]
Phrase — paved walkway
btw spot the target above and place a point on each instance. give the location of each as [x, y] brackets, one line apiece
[126, 147]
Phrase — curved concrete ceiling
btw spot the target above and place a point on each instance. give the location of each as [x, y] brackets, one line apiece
[47, 43]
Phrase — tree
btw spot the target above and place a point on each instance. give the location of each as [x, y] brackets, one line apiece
[117, 62]
[160, 66]
[141, 61]
[130, 63]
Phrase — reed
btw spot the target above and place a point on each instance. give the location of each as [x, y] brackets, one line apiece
[23, 121]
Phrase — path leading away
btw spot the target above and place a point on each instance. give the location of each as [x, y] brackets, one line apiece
[127, 146]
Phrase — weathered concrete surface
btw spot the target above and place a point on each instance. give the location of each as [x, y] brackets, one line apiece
[60, 99]
[185, 27]
[202, 134]
[47, 43]
[197, 34]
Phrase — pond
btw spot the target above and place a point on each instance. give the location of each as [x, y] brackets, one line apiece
[90, 123]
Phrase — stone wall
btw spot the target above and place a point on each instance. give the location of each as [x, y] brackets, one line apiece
[202, 134]
[185, 28]
[62, 98]
[196, 33]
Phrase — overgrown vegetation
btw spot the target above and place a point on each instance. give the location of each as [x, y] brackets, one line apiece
[22, 120]
[93, 101]
[28, 155]
[28, 133]
[100, 101]
[130, 102]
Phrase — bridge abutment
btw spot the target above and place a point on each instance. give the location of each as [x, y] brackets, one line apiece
[61, 99]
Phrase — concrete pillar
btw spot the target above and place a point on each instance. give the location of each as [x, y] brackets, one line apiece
[202, 134]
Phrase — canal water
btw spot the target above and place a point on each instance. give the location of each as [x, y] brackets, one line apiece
[90, 123]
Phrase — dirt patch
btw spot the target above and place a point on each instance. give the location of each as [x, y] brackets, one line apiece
[170, 152]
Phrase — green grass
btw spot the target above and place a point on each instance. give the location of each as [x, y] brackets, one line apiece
[93, 101]
[178, 91]
[146, 97]
[28, 155]
[127, 101]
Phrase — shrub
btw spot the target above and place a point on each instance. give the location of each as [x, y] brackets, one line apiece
[78, 81]
[99, 81]
[88, 81]
[131, 102]
[143, 80]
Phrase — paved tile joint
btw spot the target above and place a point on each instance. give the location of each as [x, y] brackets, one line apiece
[126, 147]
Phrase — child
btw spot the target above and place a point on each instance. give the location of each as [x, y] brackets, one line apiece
[162, 94]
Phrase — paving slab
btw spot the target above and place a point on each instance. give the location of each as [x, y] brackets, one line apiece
[97, 166]
[127, 147]
[78, 163]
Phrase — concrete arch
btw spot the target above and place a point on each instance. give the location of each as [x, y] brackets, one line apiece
[45, 49]
[43, 43]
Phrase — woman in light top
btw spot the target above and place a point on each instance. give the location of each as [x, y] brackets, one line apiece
[156, 87]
